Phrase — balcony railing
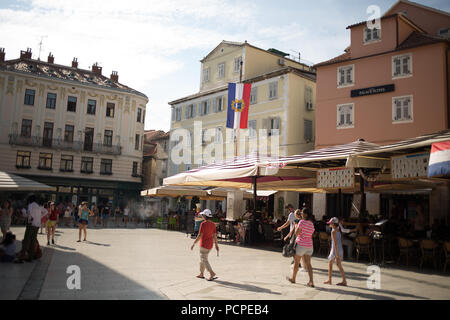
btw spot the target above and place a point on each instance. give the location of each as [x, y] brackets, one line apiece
[60, 144]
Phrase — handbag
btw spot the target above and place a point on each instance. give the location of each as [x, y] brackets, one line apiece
[289, 248]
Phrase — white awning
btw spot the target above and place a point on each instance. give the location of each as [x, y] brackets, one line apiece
[12, 182]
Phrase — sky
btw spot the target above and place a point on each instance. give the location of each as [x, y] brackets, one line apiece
[156, 45]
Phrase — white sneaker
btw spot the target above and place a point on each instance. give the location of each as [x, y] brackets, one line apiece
[302, 270]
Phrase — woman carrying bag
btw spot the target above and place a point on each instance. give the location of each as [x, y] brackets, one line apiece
[304, 245]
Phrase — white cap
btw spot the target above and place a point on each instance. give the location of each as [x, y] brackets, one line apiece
[333, 220]
[207, 213]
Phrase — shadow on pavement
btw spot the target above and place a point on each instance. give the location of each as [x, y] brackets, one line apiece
[98, 244]
[358, 294]
[245, 287]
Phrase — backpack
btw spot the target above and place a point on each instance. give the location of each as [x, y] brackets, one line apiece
[289, 248]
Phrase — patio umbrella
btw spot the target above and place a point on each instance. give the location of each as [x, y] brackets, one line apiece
[173, 191]
[12, 182]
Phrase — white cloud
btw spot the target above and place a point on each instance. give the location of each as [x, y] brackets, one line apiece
[146, 40]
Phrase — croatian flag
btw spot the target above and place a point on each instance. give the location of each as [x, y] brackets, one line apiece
[238, 105]
[439, 159]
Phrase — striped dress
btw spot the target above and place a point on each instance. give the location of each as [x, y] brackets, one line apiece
[304, 239]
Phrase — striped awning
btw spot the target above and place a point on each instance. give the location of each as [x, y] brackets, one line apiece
[12, 182]
[240, 172]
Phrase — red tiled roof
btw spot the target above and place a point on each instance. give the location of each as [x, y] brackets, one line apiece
[343, 57]
[150, 149]
[152, 135]
[416, 39]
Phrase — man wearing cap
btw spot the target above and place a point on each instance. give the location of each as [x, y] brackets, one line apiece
[207, 236]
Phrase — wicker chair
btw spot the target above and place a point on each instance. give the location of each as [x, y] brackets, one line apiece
[406, 249]
[324, 242]
[447, 254]
[428, 252]
[363, 246]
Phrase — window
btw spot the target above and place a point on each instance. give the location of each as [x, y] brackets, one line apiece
[29, 97]
[110, 110]
[345, 116]
[139, 115]
[66, 163]
[221, 70]
[204, 108]
[135, 169]
[273, 90]
[346, 76]
[48, 134]
[252, 133]
[402, 66]
[308, 130]
[206, 75]
[218, 138]
[136, 142]
[88, 139]
[87, 164]
[91, 106]
[274, 126]
[45, 161]
[106, 166]
[218, 104]
[23, 159]
[308, 98]
[26, 128]
[237, 64]
[107, 140]
[190, 111]
[402, 109]
[372, 35]
[68, 133]
[51, 100]
[72, 104]
[178, 113]
[254, 95]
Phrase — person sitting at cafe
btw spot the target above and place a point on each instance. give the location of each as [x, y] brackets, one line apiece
[346, 241]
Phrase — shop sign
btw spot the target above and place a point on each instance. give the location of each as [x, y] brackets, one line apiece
[410, 166]
[372, 90]
[336, 178]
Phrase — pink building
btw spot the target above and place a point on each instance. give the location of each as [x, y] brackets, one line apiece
[390, 84]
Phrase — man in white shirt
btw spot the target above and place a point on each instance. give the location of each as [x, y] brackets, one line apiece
[35, 214]
[345, 241]
[291, 220]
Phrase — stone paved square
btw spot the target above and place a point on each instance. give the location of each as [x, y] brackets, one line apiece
[152, 264]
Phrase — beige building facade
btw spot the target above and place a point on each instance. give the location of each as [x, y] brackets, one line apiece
[281, 111]
[70, 128]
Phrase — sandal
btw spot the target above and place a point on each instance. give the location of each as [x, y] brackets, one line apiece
[212, 279]
[290, 280]
[200, 277]
[310, 285]
[342, 284]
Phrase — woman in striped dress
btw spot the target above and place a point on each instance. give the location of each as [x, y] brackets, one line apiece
[304, 249]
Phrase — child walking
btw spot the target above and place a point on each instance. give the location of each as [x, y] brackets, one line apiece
[337, 252]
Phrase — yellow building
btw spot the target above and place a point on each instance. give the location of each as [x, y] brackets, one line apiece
[282, 103]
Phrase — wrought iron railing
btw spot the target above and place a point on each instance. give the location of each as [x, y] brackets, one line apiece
[36, 141]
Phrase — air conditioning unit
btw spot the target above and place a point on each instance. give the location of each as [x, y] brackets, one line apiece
[281, 62]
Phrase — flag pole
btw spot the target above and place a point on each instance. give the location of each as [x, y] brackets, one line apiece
[238, 133]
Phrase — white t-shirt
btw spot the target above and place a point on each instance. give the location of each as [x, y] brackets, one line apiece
[36, 213]
[126, 211]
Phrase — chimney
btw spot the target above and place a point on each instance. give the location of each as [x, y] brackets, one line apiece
[75, 63]
[25, 54]
[2, 55]
[51, 58]
[96, 69]
[115, 76]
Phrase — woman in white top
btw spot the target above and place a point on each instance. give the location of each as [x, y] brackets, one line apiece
[126, 213]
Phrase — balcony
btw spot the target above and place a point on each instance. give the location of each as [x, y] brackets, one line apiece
[60, 144]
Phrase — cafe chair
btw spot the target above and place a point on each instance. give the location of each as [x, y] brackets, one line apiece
[406, 249]
[324, 242]
[446, 246]
[363, 246]
[428, 252]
